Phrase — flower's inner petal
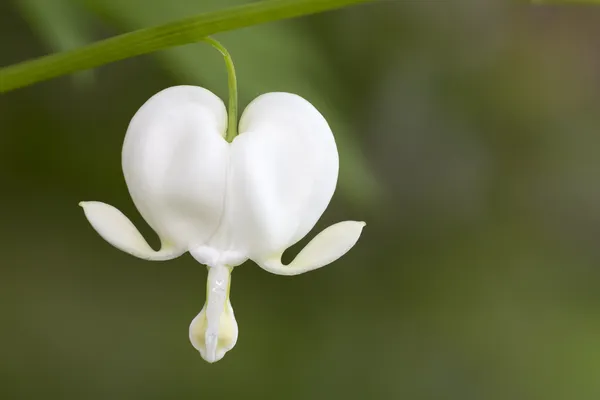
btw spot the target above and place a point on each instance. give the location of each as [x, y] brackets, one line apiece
[118, 230]
[175, 163]
[212, 347]
[283, 172]
[325, 248]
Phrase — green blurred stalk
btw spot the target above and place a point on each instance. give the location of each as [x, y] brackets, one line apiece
[148, 40]
[232, 122]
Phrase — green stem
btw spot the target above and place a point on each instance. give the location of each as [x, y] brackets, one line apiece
[148, 40]
[232, 125]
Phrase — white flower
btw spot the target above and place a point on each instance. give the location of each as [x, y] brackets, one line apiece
[225, 203]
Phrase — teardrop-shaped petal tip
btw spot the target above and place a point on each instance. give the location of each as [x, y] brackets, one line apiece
[329, 245]
[114, 227]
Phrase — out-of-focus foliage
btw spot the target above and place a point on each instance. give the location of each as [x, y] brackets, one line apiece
[478, 275]
[571, 2]
[62, 24]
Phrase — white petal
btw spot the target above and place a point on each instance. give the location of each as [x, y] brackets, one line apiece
[175, 163]
[325, 248]
[118, 230]
[284, 168]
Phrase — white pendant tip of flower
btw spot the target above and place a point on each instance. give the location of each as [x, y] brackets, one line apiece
[329, 245]
[214, 331]
[114, 227]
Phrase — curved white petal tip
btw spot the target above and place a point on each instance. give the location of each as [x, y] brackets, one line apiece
[325, 248]
[118, 230]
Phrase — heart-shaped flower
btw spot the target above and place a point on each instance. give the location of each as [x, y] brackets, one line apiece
[225, 203]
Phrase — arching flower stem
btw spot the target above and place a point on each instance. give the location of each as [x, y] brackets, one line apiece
[232, 122]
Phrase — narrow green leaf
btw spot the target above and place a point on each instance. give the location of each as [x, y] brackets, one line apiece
[151, 39]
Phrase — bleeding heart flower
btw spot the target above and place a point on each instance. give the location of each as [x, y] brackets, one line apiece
[225, 203]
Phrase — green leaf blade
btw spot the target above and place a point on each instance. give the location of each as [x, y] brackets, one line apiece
[148, 40]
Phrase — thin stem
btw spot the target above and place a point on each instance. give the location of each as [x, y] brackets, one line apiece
[148, 40]
[232, 124]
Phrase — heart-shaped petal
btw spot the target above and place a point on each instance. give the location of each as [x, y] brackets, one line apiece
[175, 163]
[284, 168]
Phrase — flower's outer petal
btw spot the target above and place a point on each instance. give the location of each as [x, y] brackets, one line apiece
[325, 248]
[117, 229]
[175, 163]
[283, 172]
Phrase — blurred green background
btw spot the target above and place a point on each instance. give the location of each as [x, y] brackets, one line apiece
[469, 137]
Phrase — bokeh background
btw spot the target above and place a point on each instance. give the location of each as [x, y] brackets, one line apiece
[469, 136]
